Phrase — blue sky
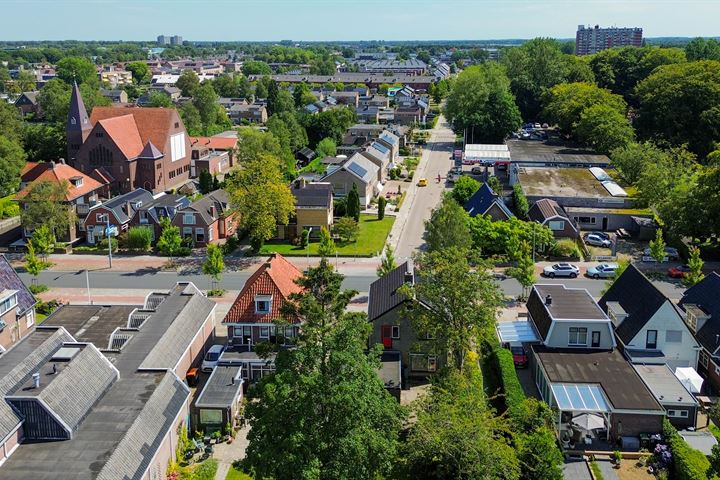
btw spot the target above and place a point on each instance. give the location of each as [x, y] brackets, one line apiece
[347, 19]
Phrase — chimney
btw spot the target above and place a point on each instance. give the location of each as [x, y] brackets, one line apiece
[128, 208]
[36, 379]
[54, 370]
[548, 300]
[61, 161]
[232, 380]
[213, 211]
[409, 277]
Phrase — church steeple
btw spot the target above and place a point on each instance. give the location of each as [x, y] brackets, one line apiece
[78, 123]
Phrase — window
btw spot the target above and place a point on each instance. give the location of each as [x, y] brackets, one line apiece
[30, 318]
[264, 332]
[100, 156]
[556, 225]
[678, 413]
[210, 234]
[8, 303]
[171, 174]
[704, 359]
[396, 332]
[187, 232]
[177, 146]
[262, 304]
[99, 134]
[100, 217]
[158, 166]
[673, 336]
[200, 235]
[177, 125]
[421, 362]
[590, 220]
[651, 341]
[595, 339]
[189, 218]
[237, 331]
[578, 336]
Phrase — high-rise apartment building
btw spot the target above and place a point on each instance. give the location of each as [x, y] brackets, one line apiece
[176, 40]
[589, 40]
[163, 40]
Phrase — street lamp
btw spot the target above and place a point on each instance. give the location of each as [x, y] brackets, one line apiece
[87, 280]
[308, 247]
[109, 237]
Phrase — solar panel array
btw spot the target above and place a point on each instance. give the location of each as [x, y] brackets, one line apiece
[357, 170]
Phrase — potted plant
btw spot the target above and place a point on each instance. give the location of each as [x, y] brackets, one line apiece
[617, 457]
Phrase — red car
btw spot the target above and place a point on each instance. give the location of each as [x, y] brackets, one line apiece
[520, 357]
[679, 271]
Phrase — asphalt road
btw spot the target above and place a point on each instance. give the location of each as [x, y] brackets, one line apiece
[236, 280]
[436, 160]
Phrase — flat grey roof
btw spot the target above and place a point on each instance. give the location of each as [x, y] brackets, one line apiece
[570, 303]
[220, 391]
[554, 151]
[561, 182]
[664, 385]
[90, 323]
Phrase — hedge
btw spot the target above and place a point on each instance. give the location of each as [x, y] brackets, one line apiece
[688, 463]
[514, 393]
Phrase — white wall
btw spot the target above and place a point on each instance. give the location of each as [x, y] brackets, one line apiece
[677, 354]
[558, 335]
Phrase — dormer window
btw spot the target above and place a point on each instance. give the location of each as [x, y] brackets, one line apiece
[262, 304]
[73, 121]
[77, 181]
[9, 302]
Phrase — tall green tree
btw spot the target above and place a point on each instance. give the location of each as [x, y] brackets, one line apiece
[188, 83]
[464, 188]
[657, 246]
[603, 129]
[566, 102]
[481, 100]
[45, 204]
[76, 69]
[261, 197]
[447, 441]
[326, 248]
[461, 301]
[206, 102]
[524, 271]
[159, 99]
[703, 49]
[326, 148]
[214, 265]
[696, 264]
[352, 205]
[382, 203]
[43, 240]
[140, 71]
[447, 227]
[44, 140]
[12, 160]
[387, 261]
[324, 413]
[631, 159]
[170, 241]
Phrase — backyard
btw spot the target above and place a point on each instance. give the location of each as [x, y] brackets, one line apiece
[370, 242]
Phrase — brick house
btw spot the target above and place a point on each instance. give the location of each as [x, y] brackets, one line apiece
[357, 170]
[313, 209]
[139, 147]
[208, 220]
[27, 104]
[83, 192]
[212, 154]
[151, 212]
[548, 212]
[17, 307]
[254, 315]
[121, 210]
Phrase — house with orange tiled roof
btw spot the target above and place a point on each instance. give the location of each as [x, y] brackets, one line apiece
[138, 147]
[83, 192]
[212, 154]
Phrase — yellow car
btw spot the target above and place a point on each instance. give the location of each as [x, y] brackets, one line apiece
[422, 182]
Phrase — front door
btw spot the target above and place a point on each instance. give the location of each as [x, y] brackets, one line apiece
[595, 339]
[386, 335]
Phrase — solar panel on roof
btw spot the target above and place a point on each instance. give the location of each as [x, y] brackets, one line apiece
[381, 147]
[357, 169]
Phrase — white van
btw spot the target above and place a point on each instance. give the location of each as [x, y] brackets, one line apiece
[212, 357]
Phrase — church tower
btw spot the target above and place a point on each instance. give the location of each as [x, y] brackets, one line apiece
[78, 124]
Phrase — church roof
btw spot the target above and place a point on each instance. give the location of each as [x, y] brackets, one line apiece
[77, 115]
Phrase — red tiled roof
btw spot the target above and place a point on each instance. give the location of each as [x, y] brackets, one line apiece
[276, 277]
[124, 132]
[56, 173]
[217, 143]
[153, 124]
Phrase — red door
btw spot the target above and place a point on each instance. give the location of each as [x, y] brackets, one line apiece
[386, 335]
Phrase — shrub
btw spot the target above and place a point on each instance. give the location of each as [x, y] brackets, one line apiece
[382, 203]
[38, 288]
[688, 463]
[514, 394]
[230, 245]
[304, 238]
[46, 308]
[139, 238]
[207, 469]
[103, 245]
[520, 201]
[566, 249]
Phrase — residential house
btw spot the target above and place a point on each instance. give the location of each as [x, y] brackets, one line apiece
[217, 143]
[393, 330]
[408, 115]
[313, 209]
[254, 113]
[649, 327]
[208, 220]
[357, 170]
[255, 314]
[17, 307]
[701, 305]
[391, 141]
[220, 399]
[374, 101]
[117, 212]
[83, 191]
[378, 154]
[578, 370]
[347, 98]
[215, 161]
[164, 206]
[680, 405]
[487, 202]
[305, 156]
[173, 92]
[368, 114]
[115, 96]
[27, 103]
[116, 77]
[102, 385]
[139, 147]
[549, 212]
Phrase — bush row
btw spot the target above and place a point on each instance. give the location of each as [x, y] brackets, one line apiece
[688, 463]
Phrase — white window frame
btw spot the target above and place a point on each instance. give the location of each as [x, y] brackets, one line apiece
[265, 331]
[200, 231]
[677, 413]
[561, 223]
[100, 217]
[188, 219]
[235, 333]
[704, 359]
[187, 232]
[577, 331]
[267, 299]
[647, 340]
[30, 318]
[668, 338]
[8, 304]
[395, 332]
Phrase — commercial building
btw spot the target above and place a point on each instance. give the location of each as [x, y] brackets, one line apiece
[589, 40]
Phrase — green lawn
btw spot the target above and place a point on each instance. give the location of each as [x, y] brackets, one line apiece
[371, 241]
[237, 475]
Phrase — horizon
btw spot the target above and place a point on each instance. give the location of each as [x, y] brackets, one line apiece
[376, 20]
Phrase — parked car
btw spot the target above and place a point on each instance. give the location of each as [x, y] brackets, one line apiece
[603, 270]
[519, 354]
[422, 182]
[670, 252]
[561, 270]
[212, 357]
[537, 126]
[678, 272]
[477, 170]
[545, 125]
[597, 241]
[604, 235]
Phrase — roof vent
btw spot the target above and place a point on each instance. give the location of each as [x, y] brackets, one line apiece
[36, 380]
[548, 300]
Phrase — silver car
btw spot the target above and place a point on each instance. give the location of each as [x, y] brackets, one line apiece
[603, 270]
[561, 270]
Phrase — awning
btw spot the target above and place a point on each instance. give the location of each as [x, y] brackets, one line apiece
[689, 378]
[580, 397]
[522, 331]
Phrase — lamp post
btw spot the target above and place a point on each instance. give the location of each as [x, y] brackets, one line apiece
[87, 281]
[109, 237]
[308, 247]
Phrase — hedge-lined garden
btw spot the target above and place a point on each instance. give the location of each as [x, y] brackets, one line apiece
[688, 463]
